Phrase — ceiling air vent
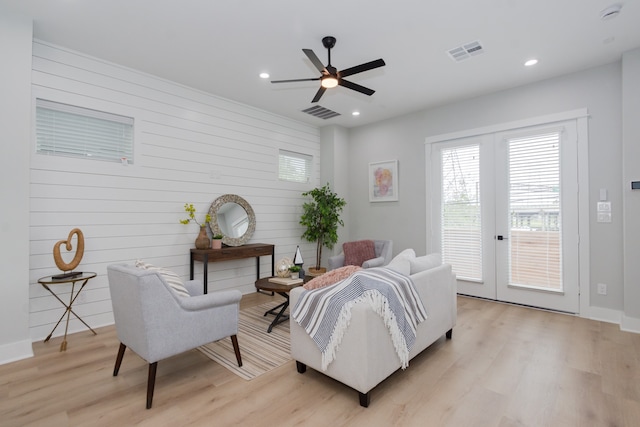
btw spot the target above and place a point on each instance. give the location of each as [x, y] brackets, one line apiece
[466, 51]
[321, 112]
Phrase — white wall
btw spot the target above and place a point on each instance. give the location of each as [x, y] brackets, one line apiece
[335, 146]
[15, 86]
[598, 89]
[631, 172]
[189, 147]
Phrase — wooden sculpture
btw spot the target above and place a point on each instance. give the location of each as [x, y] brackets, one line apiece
[79, 251]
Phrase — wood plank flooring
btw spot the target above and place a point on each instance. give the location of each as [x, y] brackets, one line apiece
[505, 366]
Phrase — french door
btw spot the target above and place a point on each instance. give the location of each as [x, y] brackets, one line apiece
[504, 211]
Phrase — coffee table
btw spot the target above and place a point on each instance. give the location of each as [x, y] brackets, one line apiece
[283, 290]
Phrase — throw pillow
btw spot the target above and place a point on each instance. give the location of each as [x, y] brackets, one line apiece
[426, 262]
[172, 279]
[355, 253]
[331, 277]
[402, 262]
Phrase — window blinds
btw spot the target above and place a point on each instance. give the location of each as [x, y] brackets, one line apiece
[534, 207]
[66, 130]
[295, 167]
[461, 221]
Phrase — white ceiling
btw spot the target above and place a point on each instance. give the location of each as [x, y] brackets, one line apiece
[221, 46]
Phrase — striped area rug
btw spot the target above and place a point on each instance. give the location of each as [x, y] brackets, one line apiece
[260, 351]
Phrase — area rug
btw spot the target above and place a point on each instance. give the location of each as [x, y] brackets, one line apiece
[260, 351]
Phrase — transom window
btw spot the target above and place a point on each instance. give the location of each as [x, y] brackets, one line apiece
[67, 130]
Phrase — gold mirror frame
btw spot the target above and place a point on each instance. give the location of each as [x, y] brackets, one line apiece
[215, 227]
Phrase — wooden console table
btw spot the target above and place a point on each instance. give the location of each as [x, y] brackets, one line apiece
[228, 253]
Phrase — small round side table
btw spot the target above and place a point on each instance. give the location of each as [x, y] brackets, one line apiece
[51, 280]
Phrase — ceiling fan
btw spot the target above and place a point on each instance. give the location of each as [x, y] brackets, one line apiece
[331, 77]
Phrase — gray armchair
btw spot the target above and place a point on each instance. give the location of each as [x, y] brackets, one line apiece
[155, 322]
[383, 254]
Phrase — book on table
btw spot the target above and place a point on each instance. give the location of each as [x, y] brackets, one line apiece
[285, 281]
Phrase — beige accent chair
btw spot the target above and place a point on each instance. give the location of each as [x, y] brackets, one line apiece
[383, 255]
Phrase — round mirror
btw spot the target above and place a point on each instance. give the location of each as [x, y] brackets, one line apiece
[232, 217]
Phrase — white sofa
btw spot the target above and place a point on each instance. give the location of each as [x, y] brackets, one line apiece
[366, 355]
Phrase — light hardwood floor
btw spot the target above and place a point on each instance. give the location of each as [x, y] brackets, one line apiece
[505, 366]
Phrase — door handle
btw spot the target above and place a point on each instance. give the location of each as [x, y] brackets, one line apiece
[499, 237]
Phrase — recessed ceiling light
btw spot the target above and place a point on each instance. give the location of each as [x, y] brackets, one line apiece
[531, 62]
[355, 113]
[264, 75]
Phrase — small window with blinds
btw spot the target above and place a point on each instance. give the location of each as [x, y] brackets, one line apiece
[461, 221]
[67, 130]
[294, 167]
[534, 206]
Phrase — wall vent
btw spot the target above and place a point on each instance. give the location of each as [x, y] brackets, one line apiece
[466, 51]
[321, 112]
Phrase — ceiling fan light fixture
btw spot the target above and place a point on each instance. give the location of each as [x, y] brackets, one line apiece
[328, 82]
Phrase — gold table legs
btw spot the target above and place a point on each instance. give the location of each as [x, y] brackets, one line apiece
[72, 297]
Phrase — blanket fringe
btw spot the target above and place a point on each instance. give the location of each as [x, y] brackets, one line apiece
[380, 305]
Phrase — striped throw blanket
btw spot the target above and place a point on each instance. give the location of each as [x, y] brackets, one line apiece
[325, 313]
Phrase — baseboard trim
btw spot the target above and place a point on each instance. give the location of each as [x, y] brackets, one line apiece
[603, 314]
[630, 324]
[16, 351]
[627, 324]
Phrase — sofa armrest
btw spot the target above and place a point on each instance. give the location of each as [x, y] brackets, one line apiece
[336, 261]
[374, 262]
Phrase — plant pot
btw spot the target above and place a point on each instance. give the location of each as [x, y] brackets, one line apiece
[216, 244]
[316, 272]
[295, 275]
[202, 241]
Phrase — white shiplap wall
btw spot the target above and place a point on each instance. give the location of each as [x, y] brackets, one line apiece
[190, 146]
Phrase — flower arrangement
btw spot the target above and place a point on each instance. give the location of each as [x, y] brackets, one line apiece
[188, 208]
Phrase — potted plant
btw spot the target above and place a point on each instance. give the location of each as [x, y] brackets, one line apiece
[202, 241]
[295, 271]
[321, 217]
[216, 242]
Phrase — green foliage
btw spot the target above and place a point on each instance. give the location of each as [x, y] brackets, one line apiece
[217, 236]
[294, 268]
[321, 217]
[188, 208]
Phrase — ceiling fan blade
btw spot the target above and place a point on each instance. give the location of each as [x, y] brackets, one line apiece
[362, 67]
[356, 87]
[314, 59]
[319, 94]
[295, 80]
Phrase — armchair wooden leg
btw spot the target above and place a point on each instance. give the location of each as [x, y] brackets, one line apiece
[121, 350]
[151, 383]
[236, 348]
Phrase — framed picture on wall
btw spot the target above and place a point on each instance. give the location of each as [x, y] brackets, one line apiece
[383, 181]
